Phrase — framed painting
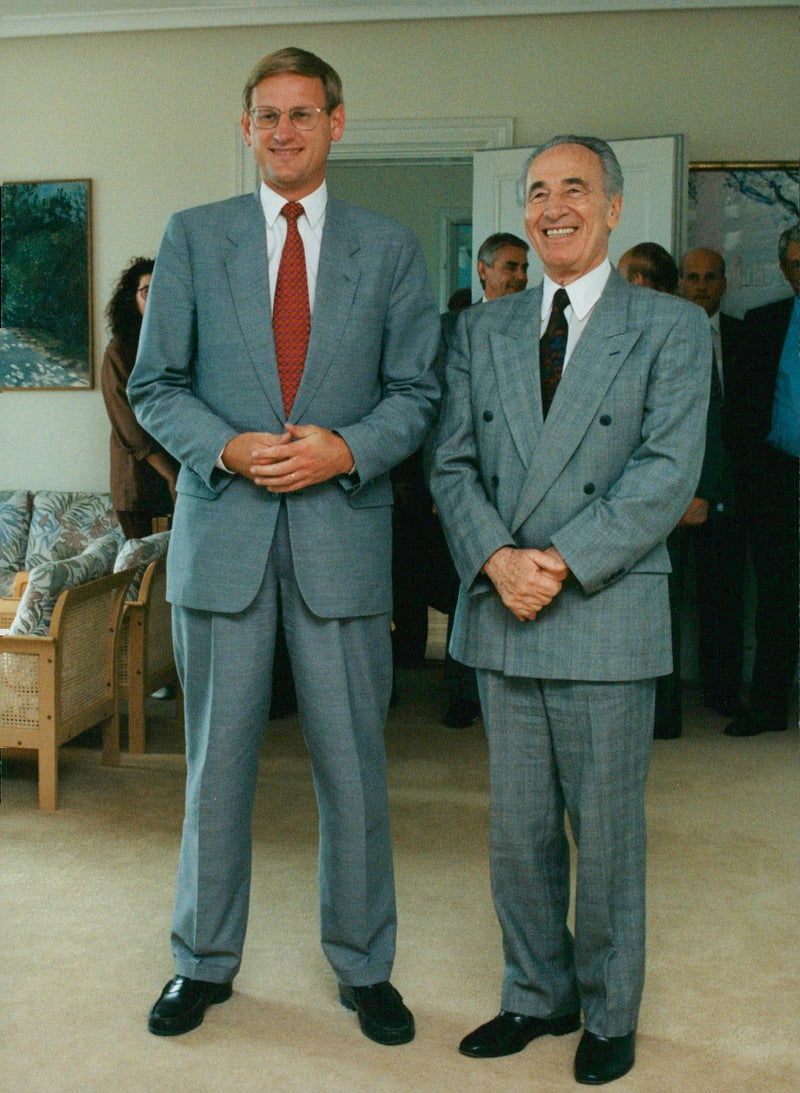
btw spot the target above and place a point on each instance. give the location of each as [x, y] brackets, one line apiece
[740, 210]
[45, 285]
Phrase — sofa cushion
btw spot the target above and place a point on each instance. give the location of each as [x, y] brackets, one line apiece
[64, 523]
[140, 553]
[15, 519]
[49, 579]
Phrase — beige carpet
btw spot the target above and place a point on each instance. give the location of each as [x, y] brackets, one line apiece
[86, 893]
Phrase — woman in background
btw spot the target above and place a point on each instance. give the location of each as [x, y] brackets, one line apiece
[142, 474]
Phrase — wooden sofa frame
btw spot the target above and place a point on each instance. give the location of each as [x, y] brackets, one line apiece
[66, 682]
[146, 660]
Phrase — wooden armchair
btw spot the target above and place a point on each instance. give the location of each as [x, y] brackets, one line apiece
[54, 687]
[145, 658]
[8, 609]
[10, 603]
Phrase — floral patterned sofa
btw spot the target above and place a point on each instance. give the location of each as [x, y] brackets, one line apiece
[64, 660]
[49, 525]
[58, 665]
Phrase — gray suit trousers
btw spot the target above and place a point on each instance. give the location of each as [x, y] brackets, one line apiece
[342, 672]
[583, 747]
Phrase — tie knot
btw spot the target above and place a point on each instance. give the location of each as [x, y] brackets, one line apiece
[292, 210]
[560, 300]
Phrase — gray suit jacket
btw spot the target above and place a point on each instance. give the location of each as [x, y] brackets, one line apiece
[604, 479]
[206, 371]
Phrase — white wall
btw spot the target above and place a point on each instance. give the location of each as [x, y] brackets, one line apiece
[413, 194]
[152, 119]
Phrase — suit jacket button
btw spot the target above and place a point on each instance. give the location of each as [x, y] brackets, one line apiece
[488, 415]
[589, 487]
[495, 481]
[605, 420]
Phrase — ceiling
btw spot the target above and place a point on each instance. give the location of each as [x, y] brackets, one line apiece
[25, 18]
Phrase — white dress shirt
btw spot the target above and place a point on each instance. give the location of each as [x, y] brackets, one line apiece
[583, 295]
[309, 225]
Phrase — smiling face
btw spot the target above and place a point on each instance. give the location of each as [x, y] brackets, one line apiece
[568, 216]
[506, 275]
[290, 161]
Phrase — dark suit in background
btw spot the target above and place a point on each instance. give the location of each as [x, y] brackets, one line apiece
[720, 552]
[767, 485]
[668, 721]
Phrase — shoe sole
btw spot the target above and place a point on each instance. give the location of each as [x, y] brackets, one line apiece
[591, 1080]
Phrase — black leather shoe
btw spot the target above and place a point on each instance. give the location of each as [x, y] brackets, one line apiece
[667, 732]
[753, 724]
[461, 712]
[509, 1033]
[183, 1002]
[381, 1013]
[602, 1059]
[725, 707]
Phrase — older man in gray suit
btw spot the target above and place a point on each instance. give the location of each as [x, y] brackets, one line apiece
[286, 430]
[556, 507]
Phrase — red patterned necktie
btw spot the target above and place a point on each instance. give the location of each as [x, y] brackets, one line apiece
[552, 347]
[291, 315]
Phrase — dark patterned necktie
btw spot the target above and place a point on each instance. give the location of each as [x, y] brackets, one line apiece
[291, 315]
[552, 347]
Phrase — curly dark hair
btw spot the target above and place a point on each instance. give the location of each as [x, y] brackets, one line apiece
[122, 314]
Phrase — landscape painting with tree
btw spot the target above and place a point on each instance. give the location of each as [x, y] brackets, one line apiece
[45, 285]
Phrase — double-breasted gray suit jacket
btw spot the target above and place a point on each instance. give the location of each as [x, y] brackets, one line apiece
[604, 479]
[206, 371]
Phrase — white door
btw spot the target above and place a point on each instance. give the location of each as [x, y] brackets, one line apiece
[655, 176]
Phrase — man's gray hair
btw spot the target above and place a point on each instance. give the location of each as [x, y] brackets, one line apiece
[791, 235]
[489, 248]
[612, 172]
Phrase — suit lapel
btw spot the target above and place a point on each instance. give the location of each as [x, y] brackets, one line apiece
[248, 276]
[515, 355]
[600, 353]
[337, 279]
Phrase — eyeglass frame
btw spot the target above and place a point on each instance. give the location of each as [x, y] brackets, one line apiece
[319, 109]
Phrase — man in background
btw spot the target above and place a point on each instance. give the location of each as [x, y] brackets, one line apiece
[502, 265]
[766, 413]
[423, 571]
[719, 543]
[649, 265]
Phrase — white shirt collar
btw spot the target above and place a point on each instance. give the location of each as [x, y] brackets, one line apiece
[714, 321]
[583, 293]
[313, 204]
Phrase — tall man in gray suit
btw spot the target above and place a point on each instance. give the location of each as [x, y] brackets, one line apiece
[556, 507]
[286, 429]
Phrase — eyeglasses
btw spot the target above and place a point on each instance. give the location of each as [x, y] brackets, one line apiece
[301, 117]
